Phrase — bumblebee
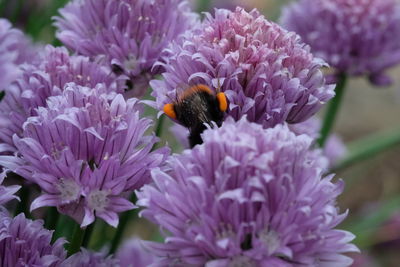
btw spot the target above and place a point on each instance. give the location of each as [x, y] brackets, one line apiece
[195, 107]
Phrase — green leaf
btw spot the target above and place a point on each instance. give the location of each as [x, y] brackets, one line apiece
[369, 147]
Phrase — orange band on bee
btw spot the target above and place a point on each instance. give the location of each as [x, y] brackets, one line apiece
[202, 87]
[169, 110]
[194, 89]
[223, 103]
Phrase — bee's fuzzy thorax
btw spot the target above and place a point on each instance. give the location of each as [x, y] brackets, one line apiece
[195, 107]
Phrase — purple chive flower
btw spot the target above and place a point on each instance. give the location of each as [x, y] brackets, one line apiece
[334, 149]
[133, 254]
[15, 49]
[181, 135]
[86, 258]
[247, 197]
[47, 78]
[7, 192]
[356, 37]
[265, 71]
[128, 34]
[86, 152]
[24, 242]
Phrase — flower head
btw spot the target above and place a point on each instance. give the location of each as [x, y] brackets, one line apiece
[24, 242]
[356, 37]
[86, 151]
[132, 254]
[265, 71]
[41, 80]
[15, 49]
[128, 34]
[86, 258]
[247, 196]
[334, 149]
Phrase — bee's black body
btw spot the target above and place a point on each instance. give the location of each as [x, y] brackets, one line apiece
[194, 110]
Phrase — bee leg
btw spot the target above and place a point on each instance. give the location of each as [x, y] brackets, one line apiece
[195, 135]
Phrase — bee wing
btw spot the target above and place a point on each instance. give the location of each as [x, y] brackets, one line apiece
[173, 95]
[180, 89]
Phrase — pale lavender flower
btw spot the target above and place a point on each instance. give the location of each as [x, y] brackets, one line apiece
[247, 197]
[15, 49]
[39, 81]
[128, 34]
[86, 258]
[87, 150]
[133, 254]
[181, 135]
[7, 192]
[24, 242]
[334, 149]
[356, 37]
[265, 71]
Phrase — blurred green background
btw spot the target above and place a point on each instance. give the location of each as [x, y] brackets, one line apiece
[372, 192]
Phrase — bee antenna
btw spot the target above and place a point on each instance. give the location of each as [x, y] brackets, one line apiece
[218, 89]
[169, 97]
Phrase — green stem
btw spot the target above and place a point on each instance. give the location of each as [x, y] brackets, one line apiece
[64, 228]
[368, 147]
[333, 108]
[123, 222]
[77, 240]
[88, 234]
[159, 126]
[23, 204]
[158, 131]
[3, 4]
[52, 217]
[59, 229]
[80, 238]
[102, 234]
[203, 5]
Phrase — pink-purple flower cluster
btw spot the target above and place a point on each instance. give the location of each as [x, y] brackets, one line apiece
[133, 254]
[247, 196]
[128, 34]
[86, 151]
[334, 149]
[86, 258]
[266, 72]
[255, 193]
[15, 49]
[45, 78]
[24, 242]
[356, 37]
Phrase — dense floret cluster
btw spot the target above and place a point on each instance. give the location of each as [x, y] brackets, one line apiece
[356, 37]
[247, 196]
